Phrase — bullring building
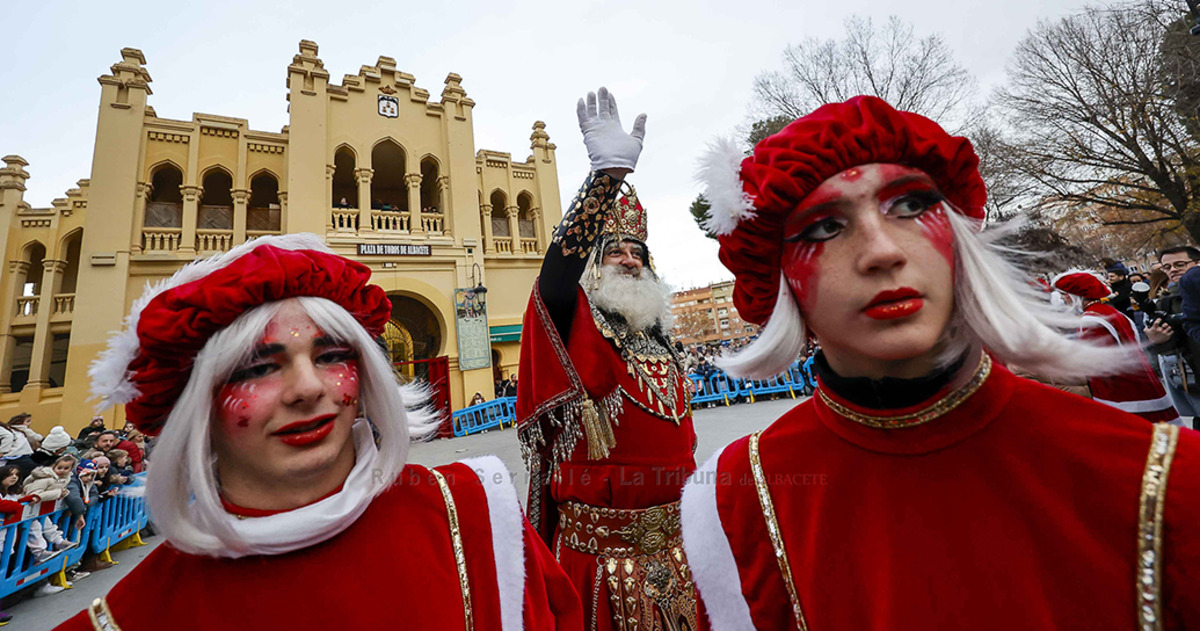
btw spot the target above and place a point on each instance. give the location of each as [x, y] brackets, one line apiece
[388, 175]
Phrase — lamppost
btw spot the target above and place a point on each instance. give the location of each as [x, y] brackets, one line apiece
[477, 287]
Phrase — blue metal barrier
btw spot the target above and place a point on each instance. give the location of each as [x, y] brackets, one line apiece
[484, 416]
[113, 520]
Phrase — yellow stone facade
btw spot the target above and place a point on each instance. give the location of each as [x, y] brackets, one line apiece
[371, 161]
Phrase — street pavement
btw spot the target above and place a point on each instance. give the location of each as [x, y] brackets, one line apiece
[715, 428]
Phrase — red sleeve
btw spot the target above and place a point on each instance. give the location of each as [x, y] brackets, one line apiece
[550, 600]
[1181, 546]
[9, 506]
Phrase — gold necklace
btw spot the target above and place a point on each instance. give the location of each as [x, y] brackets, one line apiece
[922, 416]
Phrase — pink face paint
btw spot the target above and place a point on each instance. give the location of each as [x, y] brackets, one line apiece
[935, 226]
[248, 402]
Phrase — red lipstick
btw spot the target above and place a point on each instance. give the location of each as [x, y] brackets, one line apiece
[303, 433]
[894, 303]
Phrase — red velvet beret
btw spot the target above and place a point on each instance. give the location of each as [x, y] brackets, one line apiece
[788, 165]
[176, 324]
[1082, 284]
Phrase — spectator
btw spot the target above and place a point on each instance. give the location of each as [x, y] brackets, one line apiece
[109, 439]
[80, 501]
[54, 445]
[121, 472]
[501, 384]
[511, 390]
[95, 427]
[49, 484]
[477, 399]
[1118, 280]
[25, 440]
[1177, 351]
[1158, 283]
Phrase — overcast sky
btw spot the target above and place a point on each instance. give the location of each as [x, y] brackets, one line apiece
[688, 65]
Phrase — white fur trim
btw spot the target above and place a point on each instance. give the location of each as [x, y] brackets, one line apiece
[110, 374]
[720, 170]
[709, 555]
[508, 537]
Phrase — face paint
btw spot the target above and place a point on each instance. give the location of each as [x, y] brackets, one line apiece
[800, 268]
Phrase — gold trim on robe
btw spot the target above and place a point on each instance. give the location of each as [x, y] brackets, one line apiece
[1150, 526]
[768, 510]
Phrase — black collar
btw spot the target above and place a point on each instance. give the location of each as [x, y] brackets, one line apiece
[889, 392]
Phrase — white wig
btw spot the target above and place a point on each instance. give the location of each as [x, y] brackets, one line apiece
[995, 307]
[182, 489]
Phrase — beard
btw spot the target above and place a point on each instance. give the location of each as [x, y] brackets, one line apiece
[643, 300]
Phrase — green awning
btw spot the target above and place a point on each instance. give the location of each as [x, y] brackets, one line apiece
[505, 333]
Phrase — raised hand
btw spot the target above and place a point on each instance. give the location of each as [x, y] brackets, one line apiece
[609, 147]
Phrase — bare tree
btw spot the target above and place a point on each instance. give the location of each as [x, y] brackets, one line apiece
[913, 74]
[1096, 119]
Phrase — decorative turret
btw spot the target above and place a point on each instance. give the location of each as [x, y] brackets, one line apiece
[12, 184]
[454, 97]
[129, 83]
[306, 70]
[540, 143]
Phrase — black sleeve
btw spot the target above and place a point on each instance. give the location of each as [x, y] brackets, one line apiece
[572, 243]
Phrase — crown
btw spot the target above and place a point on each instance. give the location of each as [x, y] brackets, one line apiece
[628, 218]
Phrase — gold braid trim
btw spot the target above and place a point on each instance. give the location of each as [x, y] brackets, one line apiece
[938, 408]
[1150, 526]
[460, 558]
[101, 616]
[768, 510]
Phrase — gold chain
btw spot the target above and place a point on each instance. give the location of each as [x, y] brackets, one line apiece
[922, 416]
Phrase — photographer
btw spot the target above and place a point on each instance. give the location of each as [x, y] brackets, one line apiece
[1178, 353]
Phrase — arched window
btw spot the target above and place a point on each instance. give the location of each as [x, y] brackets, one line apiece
[345, 184]
[499, 203]
[388, 191]
[216, 206]
[263, 213]
[71, 274]
[525, 216]
[164, 207]
[429, 187]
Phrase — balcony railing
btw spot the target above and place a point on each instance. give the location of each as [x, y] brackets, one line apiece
[251, 234]
[214, 240]
[345, 220]
[27, 307]
[161, 239]
[389, 221]
[64, 304]
[433, 223]
[503, 245]
[529, 246]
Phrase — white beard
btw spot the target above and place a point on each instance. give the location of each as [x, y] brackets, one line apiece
[643, 300]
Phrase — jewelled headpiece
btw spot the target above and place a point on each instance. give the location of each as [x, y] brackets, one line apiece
[628, 218]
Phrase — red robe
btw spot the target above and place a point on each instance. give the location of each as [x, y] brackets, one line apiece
[652, 456]
[393, 568]
[1139, 392]
[1019, 509]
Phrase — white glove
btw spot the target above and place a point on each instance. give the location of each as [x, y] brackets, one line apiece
[608, 146]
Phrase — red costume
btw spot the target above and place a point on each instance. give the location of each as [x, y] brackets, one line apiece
[395, 567]
[607, 432]
[443, 548]
[1139, 392]
[1019, 509]
[986, 501]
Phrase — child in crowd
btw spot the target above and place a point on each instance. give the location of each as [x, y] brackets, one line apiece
[121, 471]
[81, 500]
[54, 445]
[48, 484]
[103, 487]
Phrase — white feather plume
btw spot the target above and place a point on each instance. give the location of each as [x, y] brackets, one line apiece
[719, 169]
[110, 374]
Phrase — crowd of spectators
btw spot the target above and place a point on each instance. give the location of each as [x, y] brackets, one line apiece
[81, 473]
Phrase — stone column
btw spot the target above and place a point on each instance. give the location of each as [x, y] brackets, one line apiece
[486, 211]
[413, 182]
[329, 171]
[191, 214]
[535, 214]
[514, 228]
[39, 365]
[443, 187]
[18, 271]
[241, 197]
[139, 215]
[283, 212]
[364, 198]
